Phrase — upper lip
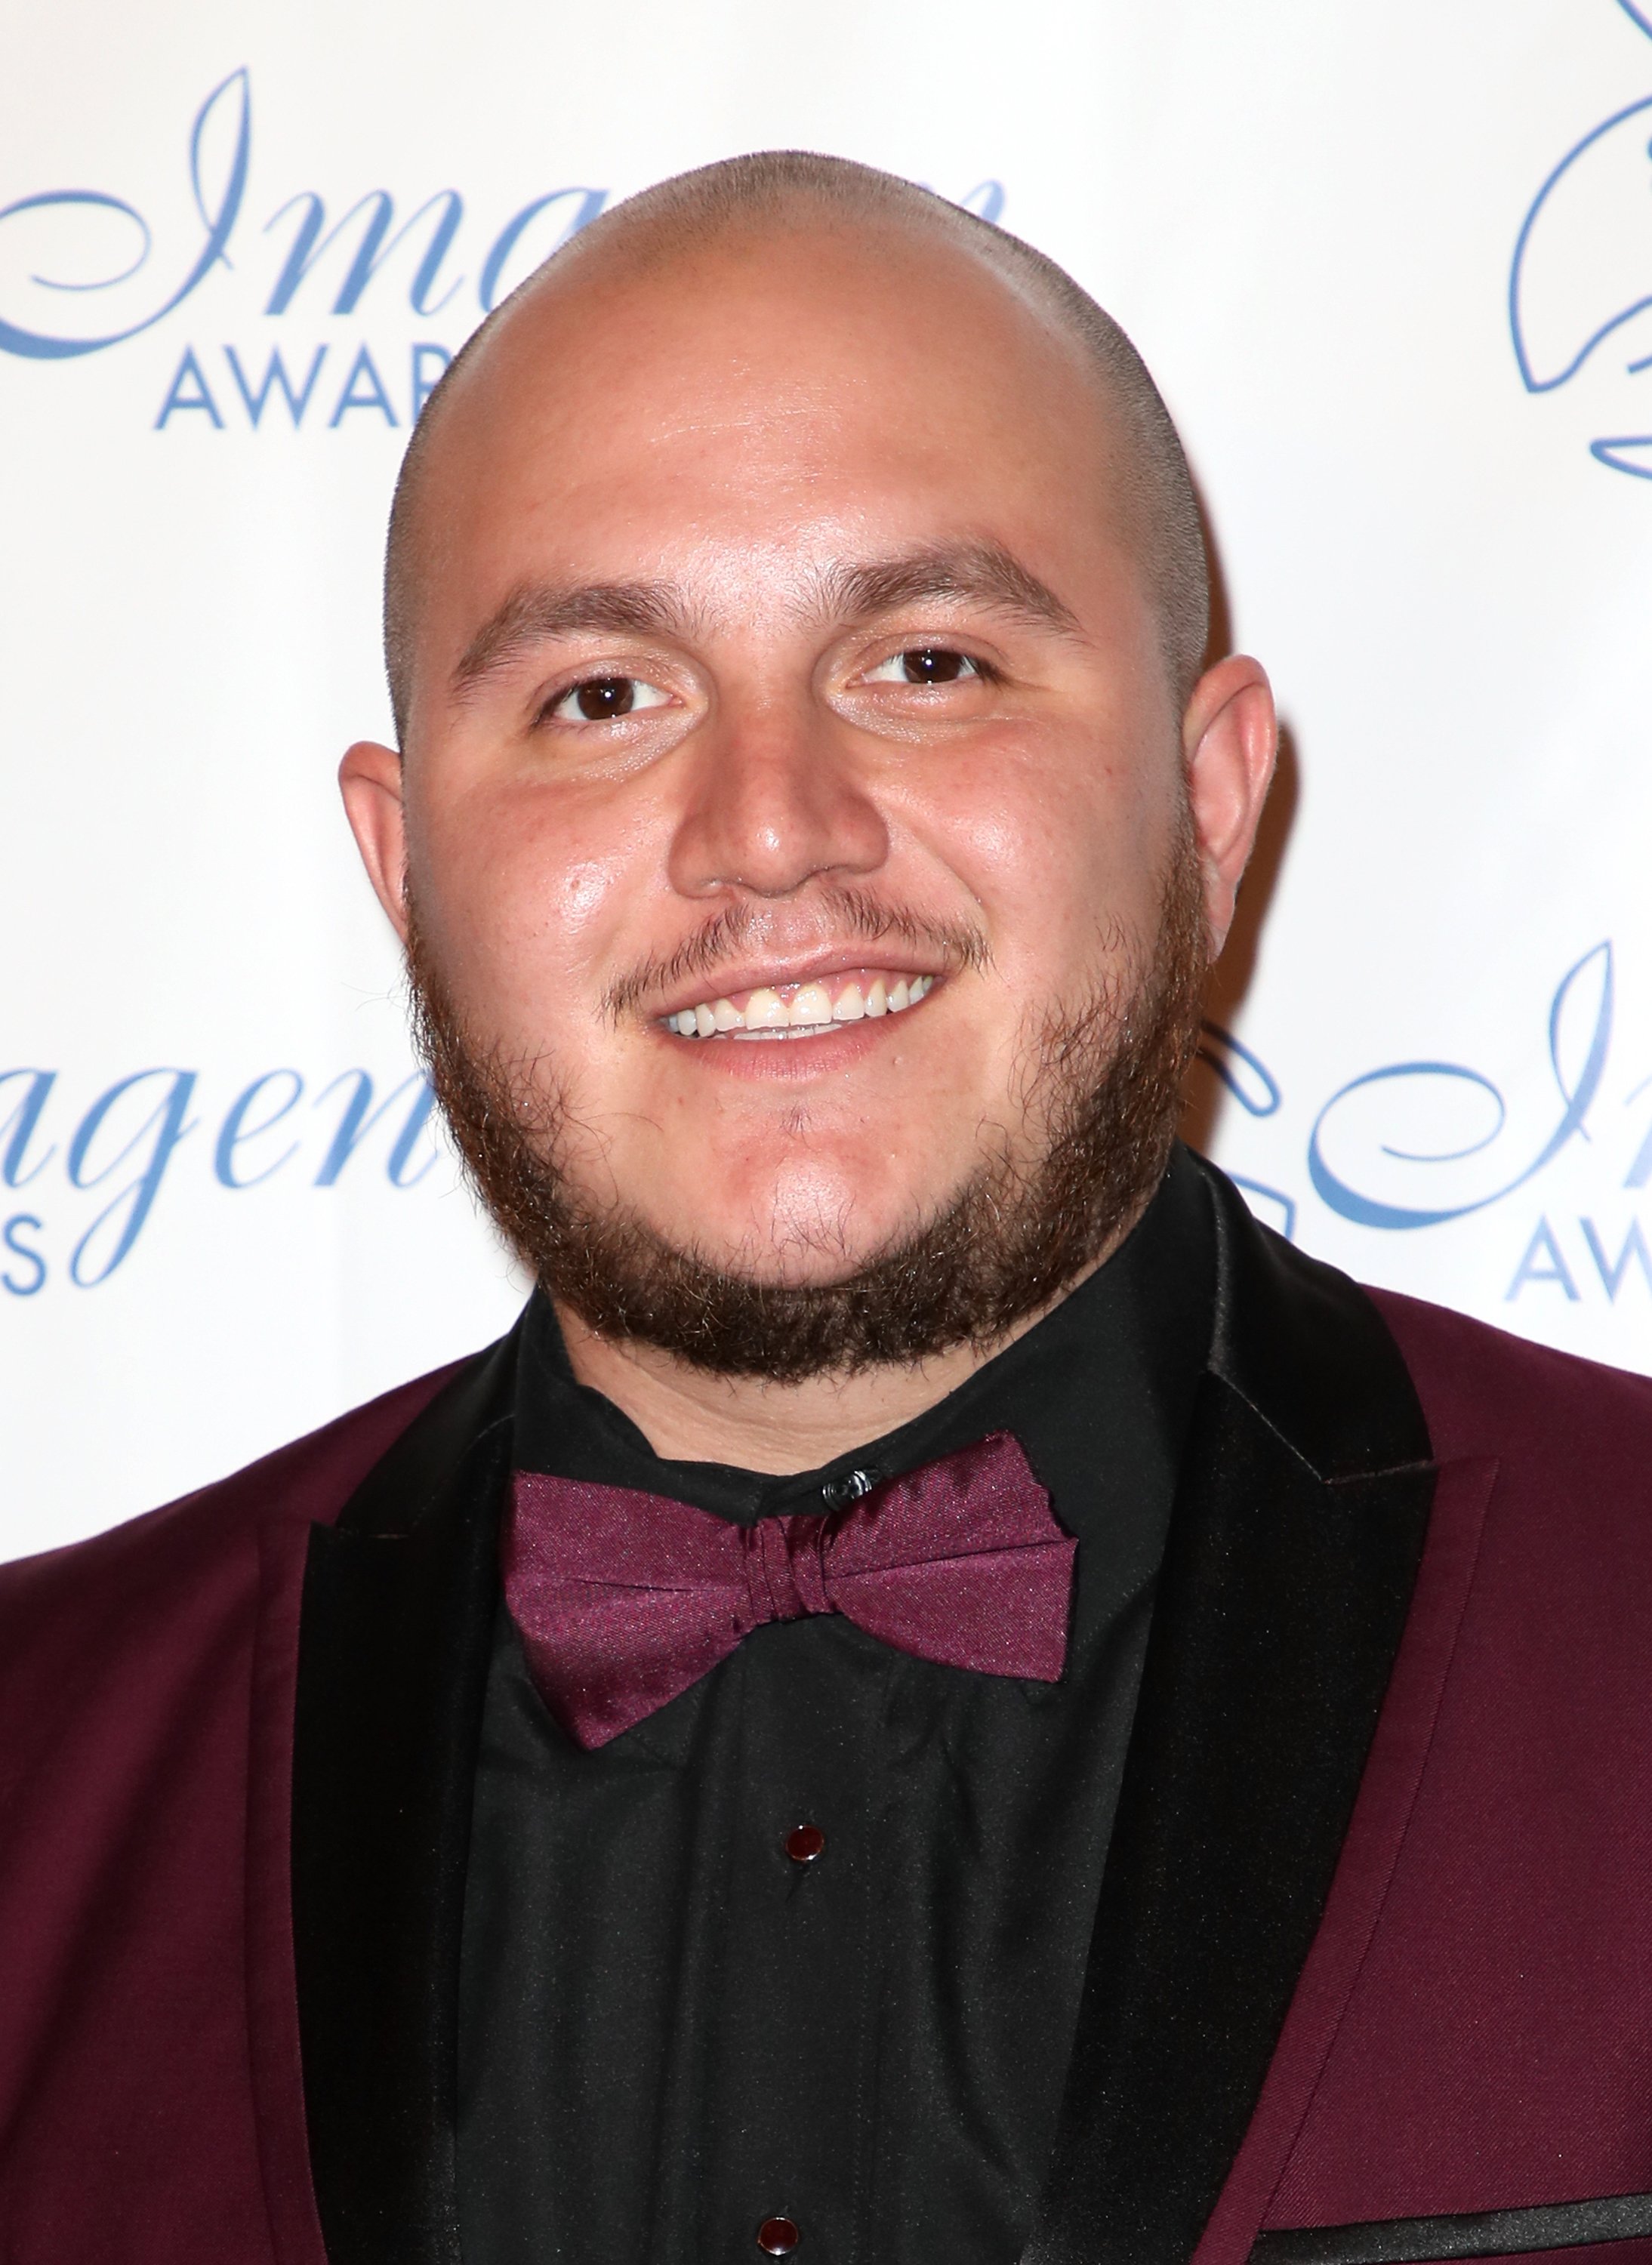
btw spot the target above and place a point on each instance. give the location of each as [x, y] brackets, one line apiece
[890, 958]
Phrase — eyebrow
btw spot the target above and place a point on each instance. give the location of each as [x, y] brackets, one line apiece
[982, 573]
[538, 614]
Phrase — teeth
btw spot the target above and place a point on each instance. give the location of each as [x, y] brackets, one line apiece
[810, 1006]
[766, 1010]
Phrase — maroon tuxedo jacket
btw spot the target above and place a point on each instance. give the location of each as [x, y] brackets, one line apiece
[1371, 1973]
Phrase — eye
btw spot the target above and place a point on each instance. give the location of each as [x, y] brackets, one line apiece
[604, 699]
[925, 664]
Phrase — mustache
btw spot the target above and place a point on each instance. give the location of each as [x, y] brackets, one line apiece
[838, 916]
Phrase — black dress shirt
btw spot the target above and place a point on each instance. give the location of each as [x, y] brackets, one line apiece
[670, 2029]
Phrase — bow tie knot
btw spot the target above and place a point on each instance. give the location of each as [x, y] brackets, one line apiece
[624, 1599]
[785, 1568]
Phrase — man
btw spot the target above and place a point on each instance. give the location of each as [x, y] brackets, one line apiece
[943, 1696]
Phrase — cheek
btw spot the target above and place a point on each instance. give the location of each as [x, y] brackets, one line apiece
[525, 903]
[1057, 850]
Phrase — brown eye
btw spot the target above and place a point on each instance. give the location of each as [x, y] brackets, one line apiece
[602, 697]
[930, 666]
[605, 699]
[925, 664]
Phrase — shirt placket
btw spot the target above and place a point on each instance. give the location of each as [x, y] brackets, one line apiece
[793, 2080]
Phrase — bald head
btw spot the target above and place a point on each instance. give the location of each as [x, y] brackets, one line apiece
[776, 196]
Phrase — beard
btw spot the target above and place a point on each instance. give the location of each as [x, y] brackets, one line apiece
[1100, 1093]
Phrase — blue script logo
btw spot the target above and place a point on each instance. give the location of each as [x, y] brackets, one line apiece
[119, 1149]
[1587, 989]
[1582, 271]
[1420, 1143]
[450, 266]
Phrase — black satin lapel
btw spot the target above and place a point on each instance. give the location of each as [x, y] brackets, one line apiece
[397, 1616]
[1287, 1577]
[1479, 2233]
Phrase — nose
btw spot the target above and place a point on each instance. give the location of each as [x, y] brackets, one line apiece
[772, 802]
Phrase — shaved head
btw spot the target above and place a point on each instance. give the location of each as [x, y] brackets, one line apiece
[777, 194]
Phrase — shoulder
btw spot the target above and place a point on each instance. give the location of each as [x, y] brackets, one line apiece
[194, 1560]
[1484, 1392]
[1335, 1367]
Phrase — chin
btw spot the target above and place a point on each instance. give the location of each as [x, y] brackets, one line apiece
[806, 1245]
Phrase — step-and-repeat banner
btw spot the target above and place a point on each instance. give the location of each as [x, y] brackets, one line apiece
[1394, 268]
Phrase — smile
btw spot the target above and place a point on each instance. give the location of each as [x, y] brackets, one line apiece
[801, 1010]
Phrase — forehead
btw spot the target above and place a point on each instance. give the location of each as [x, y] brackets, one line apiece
[752, 389]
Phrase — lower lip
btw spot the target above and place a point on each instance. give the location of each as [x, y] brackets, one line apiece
[840, 1047]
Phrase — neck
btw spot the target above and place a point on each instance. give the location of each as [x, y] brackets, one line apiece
[688, 1414]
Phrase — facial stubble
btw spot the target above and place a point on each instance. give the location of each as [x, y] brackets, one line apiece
[1099, 1099]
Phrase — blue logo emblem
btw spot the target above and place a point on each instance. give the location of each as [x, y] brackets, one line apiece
[1580, 284]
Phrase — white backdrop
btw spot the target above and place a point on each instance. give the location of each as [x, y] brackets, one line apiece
[1394, 268]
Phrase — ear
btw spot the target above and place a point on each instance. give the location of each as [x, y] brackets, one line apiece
[1230, 736]
[370, 781]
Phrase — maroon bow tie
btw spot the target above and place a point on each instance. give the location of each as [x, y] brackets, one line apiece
[624, 1599]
